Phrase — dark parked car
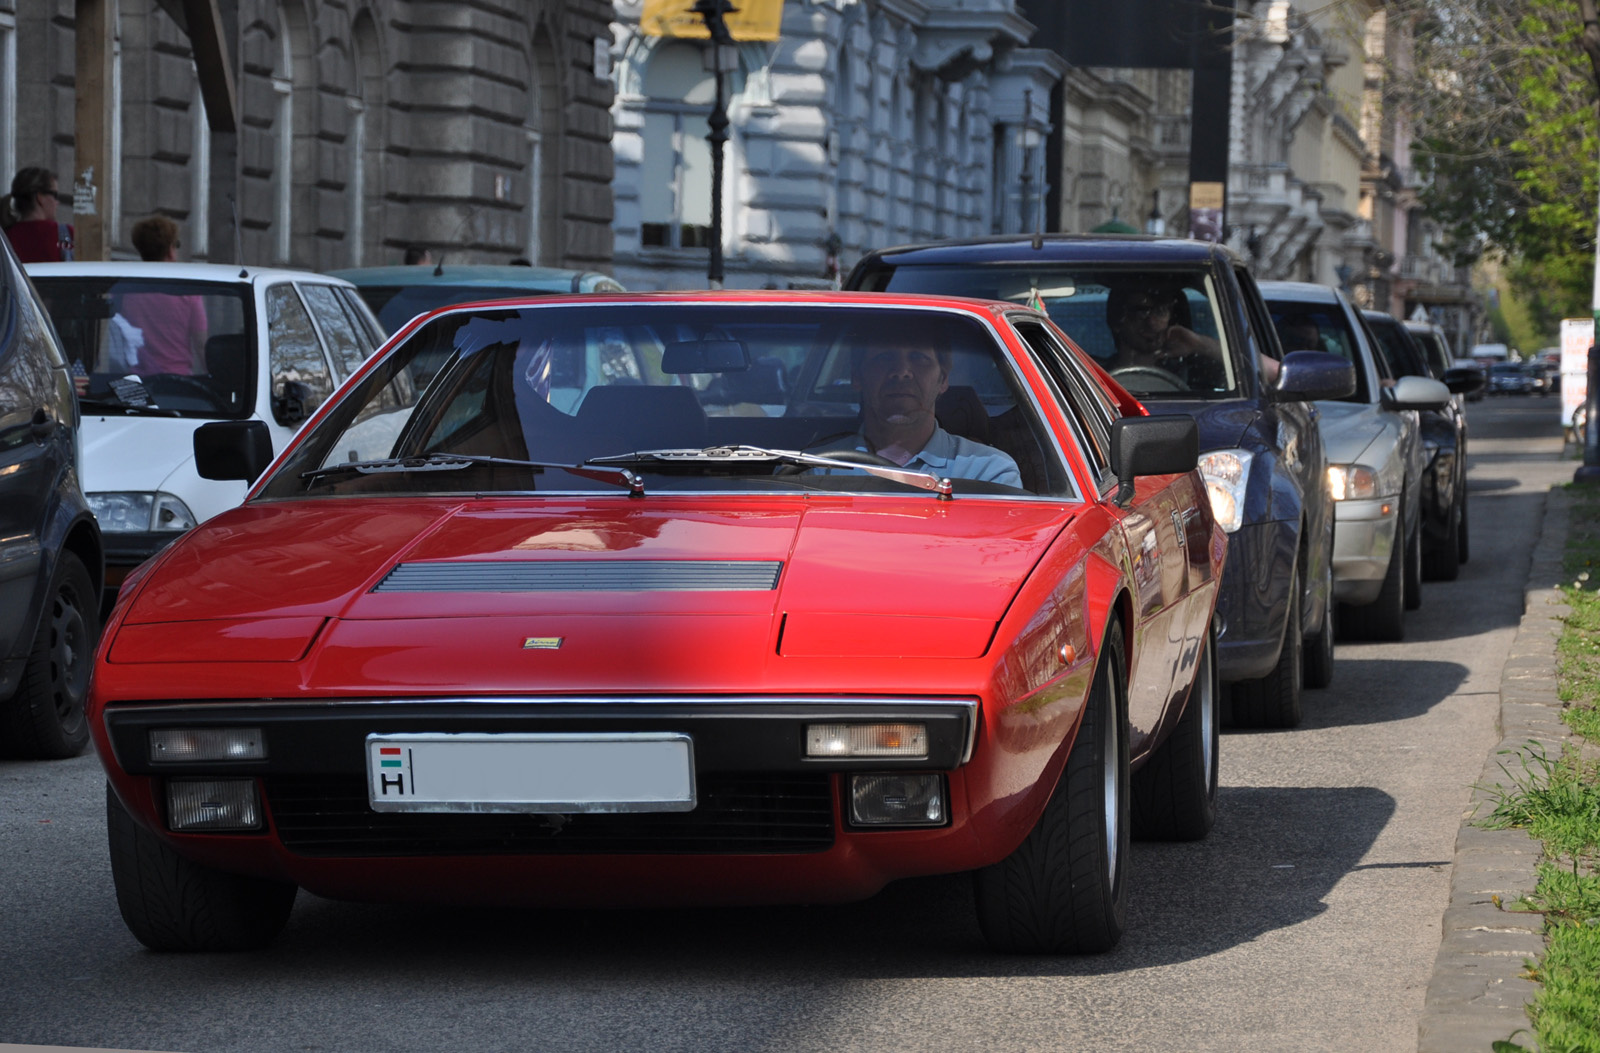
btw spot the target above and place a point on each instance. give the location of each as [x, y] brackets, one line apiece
[1444, 446]
[51, 559]
[1509, 378]
[398, 294]
[1261, 452]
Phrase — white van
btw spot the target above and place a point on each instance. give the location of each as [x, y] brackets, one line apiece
[158, 349]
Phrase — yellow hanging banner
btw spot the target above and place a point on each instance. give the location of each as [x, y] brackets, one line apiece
[753, 19]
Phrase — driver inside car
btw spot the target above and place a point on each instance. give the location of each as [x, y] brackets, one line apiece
[1148, 321]
[900, 369]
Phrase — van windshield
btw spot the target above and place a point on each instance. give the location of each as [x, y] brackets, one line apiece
[169, 346]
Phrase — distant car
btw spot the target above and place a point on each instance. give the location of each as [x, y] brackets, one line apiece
[1543, 380]
[1261, 451]
[161, 348]
[582, 635]
[398, 294]
[1509, 378]
[1375, 460]
[51, 556]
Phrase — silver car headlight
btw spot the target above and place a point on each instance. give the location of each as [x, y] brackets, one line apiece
[140, 513]
[1351, 482]
[1227, 474]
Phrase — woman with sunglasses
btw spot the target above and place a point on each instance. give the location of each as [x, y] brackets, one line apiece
[28, 215]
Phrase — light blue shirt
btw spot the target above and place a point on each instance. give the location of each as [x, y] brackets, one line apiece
[945, 455]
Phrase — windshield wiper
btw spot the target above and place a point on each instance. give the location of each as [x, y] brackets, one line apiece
[128, 408]
[454, 462]
[749, 454]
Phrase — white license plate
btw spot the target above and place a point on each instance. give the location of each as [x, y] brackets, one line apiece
[518, 772]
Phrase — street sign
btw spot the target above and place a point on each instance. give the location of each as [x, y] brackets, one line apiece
[750, 19]
[1576, 336]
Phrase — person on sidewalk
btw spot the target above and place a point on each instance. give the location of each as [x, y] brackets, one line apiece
[28, 215]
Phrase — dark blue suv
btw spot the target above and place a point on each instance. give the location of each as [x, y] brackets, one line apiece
[1181, 326]
[51, 559]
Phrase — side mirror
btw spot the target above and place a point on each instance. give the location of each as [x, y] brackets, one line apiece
[1463, 380]
[1418, 393]
[1307, 376]
[292, 404]
[232, 449]
[1164, 445]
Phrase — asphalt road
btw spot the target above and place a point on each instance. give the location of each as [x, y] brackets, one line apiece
[1308, 921]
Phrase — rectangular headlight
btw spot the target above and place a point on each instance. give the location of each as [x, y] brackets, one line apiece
[866, 740]
[212, 804]
[897, 799]
[207, 744]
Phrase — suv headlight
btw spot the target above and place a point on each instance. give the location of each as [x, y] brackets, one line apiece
[140, 513]
[1351, 482]
[1227, 474]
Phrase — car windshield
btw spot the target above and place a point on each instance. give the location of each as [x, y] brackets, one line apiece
[684, 396]
[1159, 332]
[1307, 326]
[395, 305]
[170, 346]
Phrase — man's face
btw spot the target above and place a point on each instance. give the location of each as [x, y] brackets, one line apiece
[899, 385]
[1144, 323]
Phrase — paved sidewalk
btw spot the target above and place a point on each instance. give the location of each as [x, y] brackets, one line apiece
[1478, 991]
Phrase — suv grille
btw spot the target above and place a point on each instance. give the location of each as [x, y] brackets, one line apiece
[328, 815]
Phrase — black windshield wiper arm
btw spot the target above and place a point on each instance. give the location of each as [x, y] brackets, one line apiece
[744, 454]
[107, 405]
[452, 462]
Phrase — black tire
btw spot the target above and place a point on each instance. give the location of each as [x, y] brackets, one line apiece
[1384, 617]
[1413, 567]
[1063, 891]
[1319, 645]
[1442, 562]
[1461, 527]
[44, 719]
[174, 904]
[1274, 700]
[1175, 792]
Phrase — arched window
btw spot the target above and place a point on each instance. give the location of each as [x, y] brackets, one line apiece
[675, 169]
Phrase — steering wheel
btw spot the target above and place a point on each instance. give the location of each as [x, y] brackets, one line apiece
[1149, 378]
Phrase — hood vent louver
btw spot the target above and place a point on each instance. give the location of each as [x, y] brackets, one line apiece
[584, 575]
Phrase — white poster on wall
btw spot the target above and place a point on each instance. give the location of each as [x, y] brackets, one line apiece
[1576, 336]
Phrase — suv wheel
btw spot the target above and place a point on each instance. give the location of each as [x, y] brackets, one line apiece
[45, 718]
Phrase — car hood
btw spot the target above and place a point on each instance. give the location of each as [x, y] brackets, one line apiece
[134, 453]
[615, 583]
[1348, 428]
[1222, 425]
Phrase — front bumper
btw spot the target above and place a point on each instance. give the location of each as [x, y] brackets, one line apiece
[1254, 601]
[768, 823]
[1364, 534]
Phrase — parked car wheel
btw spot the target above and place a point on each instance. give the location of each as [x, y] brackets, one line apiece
[1175, 793]
[1063, 890]
[44, 718]
[1319, 646]
[1274, 700]
[1383, 618]
[1461, 527]
[174, 904]
[1443, 562]
[1413, 568]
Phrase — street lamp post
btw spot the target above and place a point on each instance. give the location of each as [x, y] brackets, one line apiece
[712, 11]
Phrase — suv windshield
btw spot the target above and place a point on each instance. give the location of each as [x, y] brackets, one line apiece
[688, 396]
[1159, 332]
[184, 348]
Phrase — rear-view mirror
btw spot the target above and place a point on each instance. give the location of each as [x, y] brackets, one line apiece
[232, 449]
[1306, 376]
[1161, 445]
[705, 356]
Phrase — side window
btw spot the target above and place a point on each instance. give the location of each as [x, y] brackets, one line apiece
[294, 353]
[364, 320]
[1092, 424]
[1261, 336]
[346, 342]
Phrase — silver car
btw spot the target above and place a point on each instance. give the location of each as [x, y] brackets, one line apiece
[1375, 460]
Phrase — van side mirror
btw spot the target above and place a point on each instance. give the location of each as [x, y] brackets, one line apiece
[232, 449]
[1164, 445]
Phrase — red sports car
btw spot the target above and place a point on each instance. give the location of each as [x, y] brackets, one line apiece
[710, 597]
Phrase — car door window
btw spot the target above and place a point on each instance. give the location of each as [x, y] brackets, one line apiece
[365, 323]
[1260, 336]
[1075, 400]
[294, 351]
[345, 342]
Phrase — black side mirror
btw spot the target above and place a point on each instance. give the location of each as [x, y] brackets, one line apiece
[1463, 380]
[292, 404]
[232, 449]
[1164, 445]
[1306, 376]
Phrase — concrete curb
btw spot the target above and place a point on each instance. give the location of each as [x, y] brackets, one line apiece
[1478, 992]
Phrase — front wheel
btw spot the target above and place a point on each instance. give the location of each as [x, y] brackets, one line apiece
[1461, 529]
[1442, 562]
[1063, 890]
[45, 718]
[1413, 567]
[1274, 700]
[174, 904]
[1175, 793]
[1319, 646]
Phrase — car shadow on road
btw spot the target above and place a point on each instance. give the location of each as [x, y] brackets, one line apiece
[1380, 691]
[1274, 857]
